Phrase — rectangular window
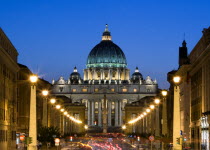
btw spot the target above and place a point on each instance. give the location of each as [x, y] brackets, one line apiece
[113, 105]
[124, 90]
[96, 105]
[84, 90]
[74, 90]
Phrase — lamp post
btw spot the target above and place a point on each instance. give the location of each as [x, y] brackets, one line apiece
[86, 129]
[164, 113]
[157, 118]
[45, 93]
[124, 128]
[176, 113]
[32, 119]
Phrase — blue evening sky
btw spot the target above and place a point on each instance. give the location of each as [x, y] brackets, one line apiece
[52, 36]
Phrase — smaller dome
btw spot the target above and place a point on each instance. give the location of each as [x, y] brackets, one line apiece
[61, 81]
[75, 76]
[136, 76]
[148, 80]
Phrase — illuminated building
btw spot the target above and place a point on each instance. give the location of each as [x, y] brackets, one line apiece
[8, 92]
[106, 74]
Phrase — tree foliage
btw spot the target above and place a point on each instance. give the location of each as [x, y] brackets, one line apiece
[47, 134]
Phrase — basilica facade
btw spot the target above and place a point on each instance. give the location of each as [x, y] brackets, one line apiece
[106, 87]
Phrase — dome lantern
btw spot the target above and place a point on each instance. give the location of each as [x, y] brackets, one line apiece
[106, 34]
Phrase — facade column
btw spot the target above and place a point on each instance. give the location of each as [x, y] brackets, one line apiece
[33, 119]
[176, 118]
[118, 74]
[89, 116]
[49, 108]
[109, 113]
[93, 74]
[141, 126]
[99, 113]
[45, 114]
[101, 77]
[152, 121]
[116, 113]
[144, 125]
[157, 119]
[164, 118]
[93, 113]
[110, 74]
[61, 124]
[120, 113]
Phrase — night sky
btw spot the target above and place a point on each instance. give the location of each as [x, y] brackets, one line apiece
[53, 36]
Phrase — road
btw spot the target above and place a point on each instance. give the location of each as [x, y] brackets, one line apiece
[97, 143]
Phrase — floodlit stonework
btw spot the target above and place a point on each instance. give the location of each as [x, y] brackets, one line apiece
[106, 75]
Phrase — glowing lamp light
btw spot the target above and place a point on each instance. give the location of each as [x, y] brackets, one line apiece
[65, 113]
[176, 79]
[52, 101]
[62, 110]
[157, 101]
[57, 140]
[86, 127]
[58, 106]
[33, 78]
[164, 92]
[45, 92]
[145, 113]
[123, 127]
[148, 110]
[142, 116]
[68, 115]
[152, 106]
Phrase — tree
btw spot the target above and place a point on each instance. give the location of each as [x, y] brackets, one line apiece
[47, 134]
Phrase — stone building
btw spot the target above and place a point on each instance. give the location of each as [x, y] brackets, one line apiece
[199, 73]
[23, 96]
[184, 93]
[194, 92]
[47, 114]
[106, 86]
[8, 93]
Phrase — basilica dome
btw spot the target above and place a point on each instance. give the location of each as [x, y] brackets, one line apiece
[106, 54]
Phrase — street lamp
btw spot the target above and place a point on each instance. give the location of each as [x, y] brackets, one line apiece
[164, 93]
[164, 113]
[123, 127]
[157, 101]
[62, 110]
[58, 106]
[52, 101]
[176, 79]
[152, 106]
[176, 113]
[65, 113]
[32, 120]
[148, 110]
[33, 78]
[45, 93]
[157, 118]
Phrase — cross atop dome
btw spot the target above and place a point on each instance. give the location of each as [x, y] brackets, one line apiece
[106, 34]
[106, 28]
